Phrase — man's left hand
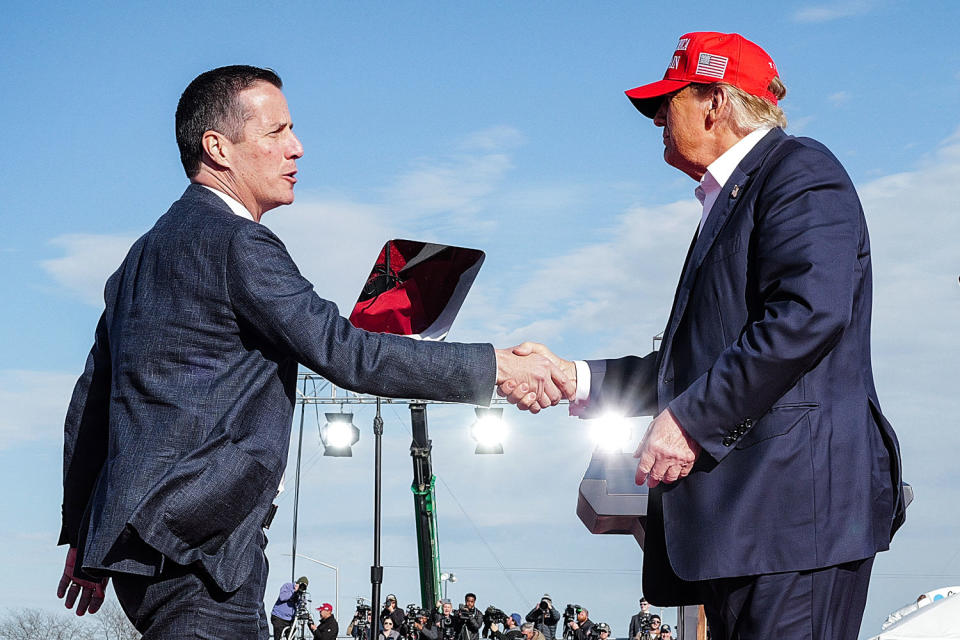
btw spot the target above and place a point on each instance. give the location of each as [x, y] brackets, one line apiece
[91, 593]
[666, 453]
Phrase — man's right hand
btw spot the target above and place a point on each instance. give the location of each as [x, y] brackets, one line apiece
[91, 593]
[531, 380]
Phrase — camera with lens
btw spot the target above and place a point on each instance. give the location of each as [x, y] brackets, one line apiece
[464, 612]
[569, 615]
[360, 619]
[492, 615]
[408, 628]
[301, 604]
[363, 610]
[448, 628]
[646, 629]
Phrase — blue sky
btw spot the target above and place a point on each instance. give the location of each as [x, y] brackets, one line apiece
[496, 125]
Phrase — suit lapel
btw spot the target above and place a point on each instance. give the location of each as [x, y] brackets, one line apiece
[732, 193]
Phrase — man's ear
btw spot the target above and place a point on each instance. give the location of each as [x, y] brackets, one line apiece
[717, 104]
[216, 148]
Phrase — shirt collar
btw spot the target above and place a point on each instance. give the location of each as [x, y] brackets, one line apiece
[235, 206]
[721, 169]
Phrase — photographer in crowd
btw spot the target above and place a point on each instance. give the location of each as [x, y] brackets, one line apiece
[445, 622]
[582, 625]
[655, 624]
[499, 626]
[511, 628]
[285, 608]
[652, 630]
[641, 620]
[392, 611]
[468, 619]
[530, 632]
[328, 628]
[356, 628]
[665, 632]
[545, 617]
[602, 631]
[423, 627]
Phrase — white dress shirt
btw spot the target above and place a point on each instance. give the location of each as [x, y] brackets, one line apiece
[719, 171]
[235, 206]
[711, 184]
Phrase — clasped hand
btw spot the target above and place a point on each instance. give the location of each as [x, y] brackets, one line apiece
[533, 378]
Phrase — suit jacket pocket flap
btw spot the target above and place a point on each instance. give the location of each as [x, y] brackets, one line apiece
[210, 506]
[779, 421]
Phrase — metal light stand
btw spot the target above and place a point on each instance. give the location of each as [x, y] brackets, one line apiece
[296, 489]
[376, 571]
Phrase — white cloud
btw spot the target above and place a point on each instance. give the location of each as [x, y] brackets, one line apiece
[828, 13]
[494, 138]
[615, 293]
[456, 185]
[840, 98]
[799, 124]
[88, 261]
[914, 230]
[34, 405]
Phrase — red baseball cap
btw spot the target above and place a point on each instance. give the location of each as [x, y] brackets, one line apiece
[704, 57]
[326, 606]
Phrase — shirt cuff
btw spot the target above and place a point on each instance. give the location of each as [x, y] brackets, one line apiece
[580, 400]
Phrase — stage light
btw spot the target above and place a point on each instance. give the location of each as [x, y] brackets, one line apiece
[339, 435]
[489, 430]
[446, 578]
[610, 433]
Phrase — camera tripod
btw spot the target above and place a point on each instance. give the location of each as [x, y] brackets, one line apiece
[299, 630]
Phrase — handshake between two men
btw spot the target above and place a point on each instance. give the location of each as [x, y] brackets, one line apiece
[665, 454]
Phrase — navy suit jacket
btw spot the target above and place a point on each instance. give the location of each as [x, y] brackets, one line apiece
[177, 433]
[765, 362]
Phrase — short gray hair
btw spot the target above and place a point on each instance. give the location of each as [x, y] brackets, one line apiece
[527, 626]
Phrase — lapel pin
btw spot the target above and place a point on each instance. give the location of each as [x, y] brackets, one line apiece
[735, 191]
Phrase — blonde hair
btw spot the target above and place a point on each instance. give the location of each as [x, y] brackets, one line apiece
[747, 111]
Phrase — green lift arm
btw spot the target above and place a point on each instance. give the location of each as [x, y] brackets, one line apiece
[425, 507]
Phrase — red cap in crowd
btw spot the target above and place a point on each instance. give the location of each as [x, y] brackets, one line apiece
[704, 57]
[326, 606]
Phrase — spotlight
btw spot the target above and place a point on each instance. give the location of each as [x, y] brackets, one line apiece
[489, 430]
[339, 435]
[610, 433]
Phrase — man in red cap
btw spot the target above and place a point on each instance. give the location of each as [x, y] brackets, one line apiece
[328, 628]
[774, 477]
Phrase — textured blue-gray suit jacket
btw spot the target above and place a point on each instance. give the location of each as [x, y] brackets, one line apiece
[765, 362]
[177, 433]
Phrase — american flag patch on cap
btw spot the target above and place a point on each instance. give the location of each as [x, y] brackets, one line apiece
[712, 66]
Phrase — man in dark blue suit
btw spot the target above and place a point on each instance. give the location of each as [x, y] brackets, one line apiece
[774, 478]
[177, 433]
